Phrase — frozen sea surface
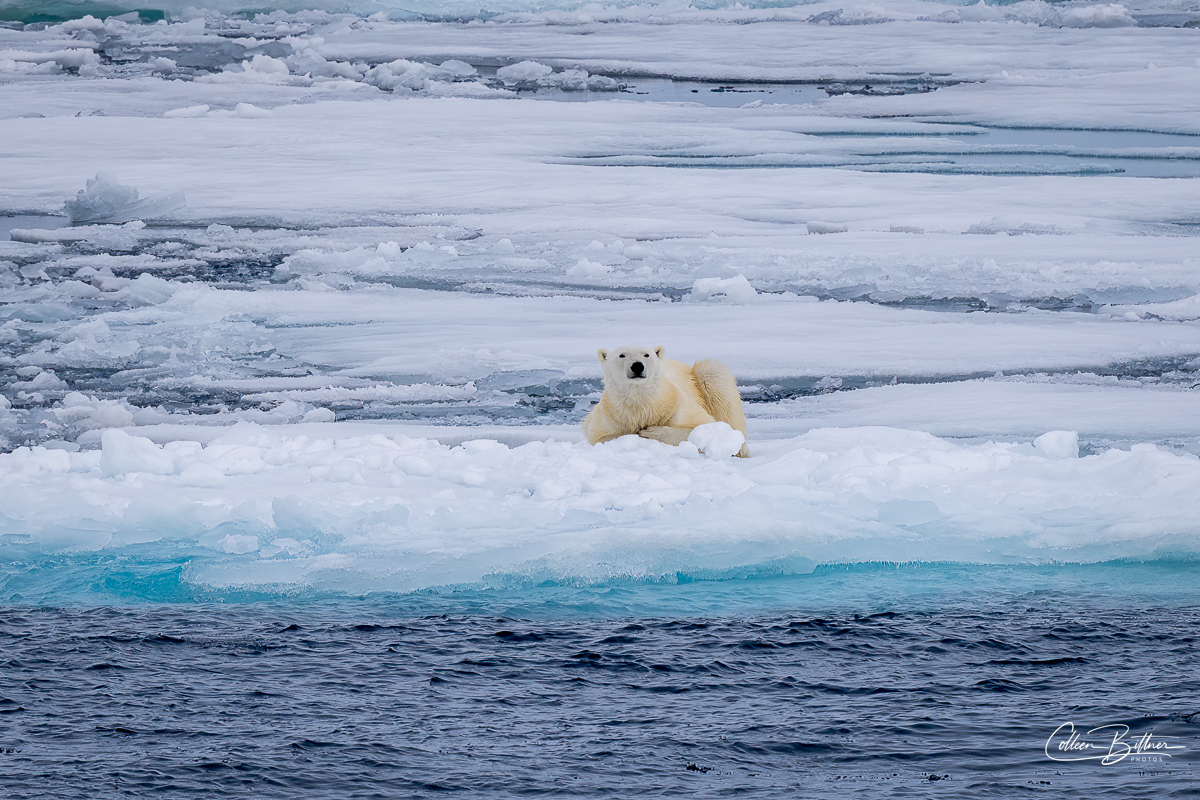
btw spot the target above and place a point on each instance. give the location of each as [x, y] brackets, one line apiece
[298, 315]
[305, 234]
[333, 281]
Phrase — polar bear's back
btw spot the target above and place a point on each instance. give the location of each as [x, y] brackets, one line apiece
[718, 389]
[690, 409]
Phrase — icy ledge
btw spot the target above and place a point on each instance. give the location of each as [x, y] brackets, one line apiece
[262, 507]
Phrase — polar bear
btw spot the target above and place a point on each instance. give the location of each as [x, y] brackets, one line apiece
[662, 399]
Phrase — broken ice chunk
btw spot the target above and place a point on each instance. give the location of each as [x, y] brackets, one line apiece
[524, 72]
[107, 200]
[735, 290]
[102, 196]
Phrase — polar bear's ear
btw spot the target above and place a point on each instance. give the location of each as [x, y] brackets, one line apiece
[602, 353]
[658, 351]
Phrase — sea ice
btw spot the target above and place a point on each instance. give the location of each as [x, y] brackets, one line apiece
[404, 74]
[1058, 444]
[531, 74]
[406, 513]
[107, 200]
[358, 246]
[733, 290]
[908, 512]
[524, 72]
[122, 453]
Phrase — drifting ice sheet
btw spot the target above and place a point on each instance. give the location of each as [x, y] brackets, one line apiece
[306, 507]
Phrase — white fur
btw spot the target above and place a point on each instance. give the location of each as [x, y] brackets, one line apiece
[662, 399]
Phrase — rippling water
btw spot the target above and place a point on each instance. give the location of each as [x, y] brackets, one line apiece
[882, 682]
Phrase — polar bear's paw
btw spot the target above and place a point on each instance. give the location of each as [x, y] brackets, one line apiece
[665, 434]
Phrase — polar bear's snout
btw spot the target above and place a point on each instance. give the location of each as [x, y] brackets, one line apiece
[631, 363]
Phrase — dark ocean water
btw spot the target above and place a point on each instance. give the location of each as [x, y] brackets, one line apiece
[935, 682]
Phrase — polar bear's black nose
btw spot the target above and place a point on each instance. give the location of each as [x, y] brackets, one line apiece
[637, 368]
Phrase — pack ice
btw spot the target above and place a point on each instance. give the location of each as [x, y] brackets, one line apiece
[957, 282]
[368, 508]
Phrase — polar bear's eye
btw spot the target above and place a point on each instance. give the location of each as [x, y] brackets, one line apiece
[622, 355]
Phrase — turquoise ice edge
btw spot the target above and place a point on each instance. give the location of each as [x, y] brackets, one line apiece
[861, 587]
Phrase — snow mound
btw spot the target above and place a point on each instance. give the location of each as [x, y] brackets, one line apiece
[717, 439]
[1058, 444]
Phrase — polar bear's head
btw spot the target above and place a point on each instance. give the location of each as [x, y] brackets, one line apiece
[631, 364]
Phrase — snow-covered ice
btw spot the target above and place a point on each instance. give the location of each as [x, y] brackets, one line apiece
[368, 508]
[949, 251]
